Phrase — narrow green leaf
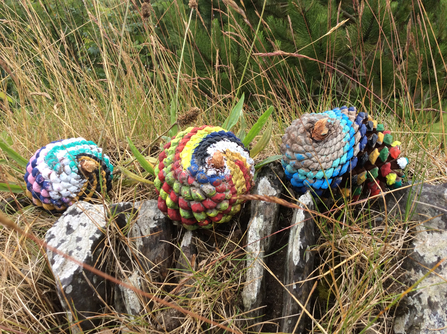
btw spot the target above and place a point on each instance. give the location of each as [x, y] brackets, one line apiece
[134, 176]
[13, 154]
[242, 129]
[3, 96]
[257, 126]
[173, 115]
[6, 137]
[143, 162]
[268, 160]
[14, 188]
[263, 142]
[18, 170]
[235, 114]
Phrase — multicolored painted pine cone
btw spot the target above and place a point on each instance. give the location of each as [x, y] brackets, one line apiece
[199, 172]
[65, 171]
[341, 148]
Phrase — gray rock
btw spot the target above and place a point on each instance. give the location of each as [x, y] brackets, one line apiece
[169, 319]
[151, 235]
[263, 222]
[145, 256]
[299, 264]
[125, 300]
[424, 310]
[185, 265]
[78, 233]
[188, 253]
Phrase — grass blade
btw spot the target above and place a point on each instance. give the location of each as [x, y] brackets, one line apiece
[235, 114]
[173, 115]
[263, 142]
[141, 159]
[242, 129]
[14, 168]
[11, 188]
[134, 176]
[13, 154]
[268, 160]
[257, 127]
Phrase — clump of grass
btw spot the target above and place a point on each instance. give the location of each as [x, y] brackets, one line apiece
[361, 252]
[57, 96]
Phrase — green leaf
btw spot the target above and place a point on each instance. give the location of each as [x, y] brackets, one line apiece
[6, 137]
[257, 126]
[7, 163]
[14, 188]
[263, 142]
[143, 162]
[235, 114]
[133, 176]
[13, 154]
[3, 96]
[268, 160]
[242, 129]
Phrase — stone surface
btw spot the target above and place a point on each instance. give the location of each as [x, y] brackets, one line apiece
[170, 319]
[299, 264]
[188, 253]
[125, 300]
[152, 236]
[145, 255]
[263, 222]
[424, 310]
[78, 233]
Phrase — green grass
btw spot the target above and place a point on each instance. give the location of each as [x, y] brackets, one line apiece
[47, 94]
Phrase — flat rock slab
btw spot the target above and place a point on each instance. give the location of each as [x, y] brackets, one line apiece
[299, 265]
[263, 222]
[152, 235]
[78, 233]
[146, 255]
[425, 309]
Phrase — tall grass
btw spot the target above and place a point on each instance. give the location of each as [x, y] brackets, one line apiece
[58, 94]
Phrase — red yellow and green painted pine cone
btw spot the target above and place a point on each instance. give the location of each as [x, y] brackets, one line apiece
[199, 175]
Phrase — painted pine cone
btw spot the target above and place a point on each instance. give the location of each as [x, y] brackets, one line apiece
[65, 171]
[341, 148]
[199, 171]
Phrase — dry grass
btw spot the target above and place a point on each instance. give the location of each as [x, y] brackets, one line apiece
[360, 254]
[360, 269]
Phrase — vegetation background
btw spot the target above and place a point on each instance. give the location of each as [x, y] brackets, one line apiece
[107, 70]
